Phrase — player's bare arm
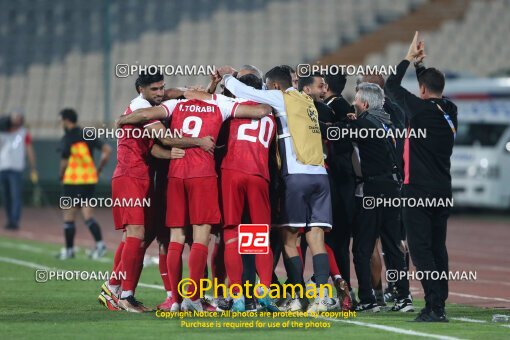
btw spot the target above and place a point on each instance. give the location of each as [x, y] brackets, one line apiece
[253, 111]
[142, 116]
[415, 49]
[173, 93]
[213, 83]
[196, 94]
[159, 151]
[205, 143]
[63, 167]
[106, 151]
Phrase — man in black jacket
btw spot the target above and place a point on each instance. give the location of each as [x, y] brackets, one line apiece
[397, 118]
[427, 174]
[342, 179]
[380, 179]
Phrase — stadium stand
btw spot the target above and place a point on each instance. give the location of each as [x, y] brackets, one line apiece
[471, 44]
[55, 49]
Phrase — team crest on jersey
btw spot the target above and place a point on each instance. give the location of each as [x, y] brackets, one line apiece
[196, 108]
[312, 113]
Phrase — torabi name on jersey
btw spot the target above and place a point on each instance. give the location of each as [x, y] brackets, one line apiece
[196, 108]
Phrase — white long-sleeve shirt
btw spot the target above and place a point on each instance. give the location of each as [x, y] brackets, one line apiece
[275, 99]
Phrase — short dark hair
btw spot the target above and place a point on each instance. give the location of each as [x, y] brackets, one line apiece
[251, 80]
[291, 70]
[69, 114]
[336, 83]
[432, 79]
[280, 75]
[307, 81]
[145, 79]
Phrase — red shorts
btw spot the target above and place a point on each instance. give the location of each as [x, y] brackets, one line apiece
[192, 201]
[124, 187]
[239, 189]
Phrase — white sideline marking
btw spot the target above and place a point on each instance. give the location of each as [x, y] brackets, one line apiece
[420, 293]
[23, 263]
[469, 320]
[146, 285]
[364, 324]
[358, 323]
[37, 250]
[22, 246]
[394, 329]
[480, 297]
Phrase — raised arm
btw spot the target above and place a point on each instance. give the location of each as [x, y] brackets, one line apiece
[393, 88]
[213, 83]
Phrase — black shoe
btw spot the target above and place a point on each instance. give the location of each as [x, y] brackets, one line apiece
[224, 305]
[367, 307]
[11, 226]
[423, 313]
[390, 294]
[379, 298]
[431, 316]
[250, 305]
[403, 305]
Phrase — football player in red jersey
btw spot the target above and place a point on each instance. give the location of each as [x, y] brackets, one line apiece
[245, 182]
[131, 182]
[192, 180]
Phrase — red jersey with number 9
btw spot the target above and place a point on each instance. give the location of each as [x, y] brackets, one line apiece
[197, 118]
[248, 144]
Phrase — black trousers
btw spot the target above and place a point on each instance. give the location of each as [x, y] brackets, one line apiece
[426, 237]
[383, 222]
[339, 238]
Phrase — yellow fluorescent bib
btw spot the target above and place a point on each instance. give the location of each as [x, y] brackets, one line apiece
[303, 124]
[80, 168]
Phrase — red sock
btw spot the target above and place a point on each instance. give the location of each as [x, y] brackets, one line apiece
[233, 260]
[118, 254]
[264, 265]
[163, 271]
[115, 278]
[131, 263]
[333, 267]
[196, 264]
[174, 266]
[140, 254]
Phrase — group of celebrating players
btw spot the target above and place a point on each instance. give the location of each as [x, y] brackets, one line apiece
[225, 169]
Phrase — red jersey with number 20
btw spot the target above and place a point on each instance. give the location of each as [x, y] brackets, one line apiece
[197, 118]
[248, 144]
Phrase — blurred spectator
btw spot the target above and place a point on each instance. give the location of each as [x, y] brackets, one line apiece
[15, 145]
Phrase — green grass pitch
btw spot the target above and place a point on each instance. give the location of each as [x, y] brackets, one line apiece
[69, 309]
